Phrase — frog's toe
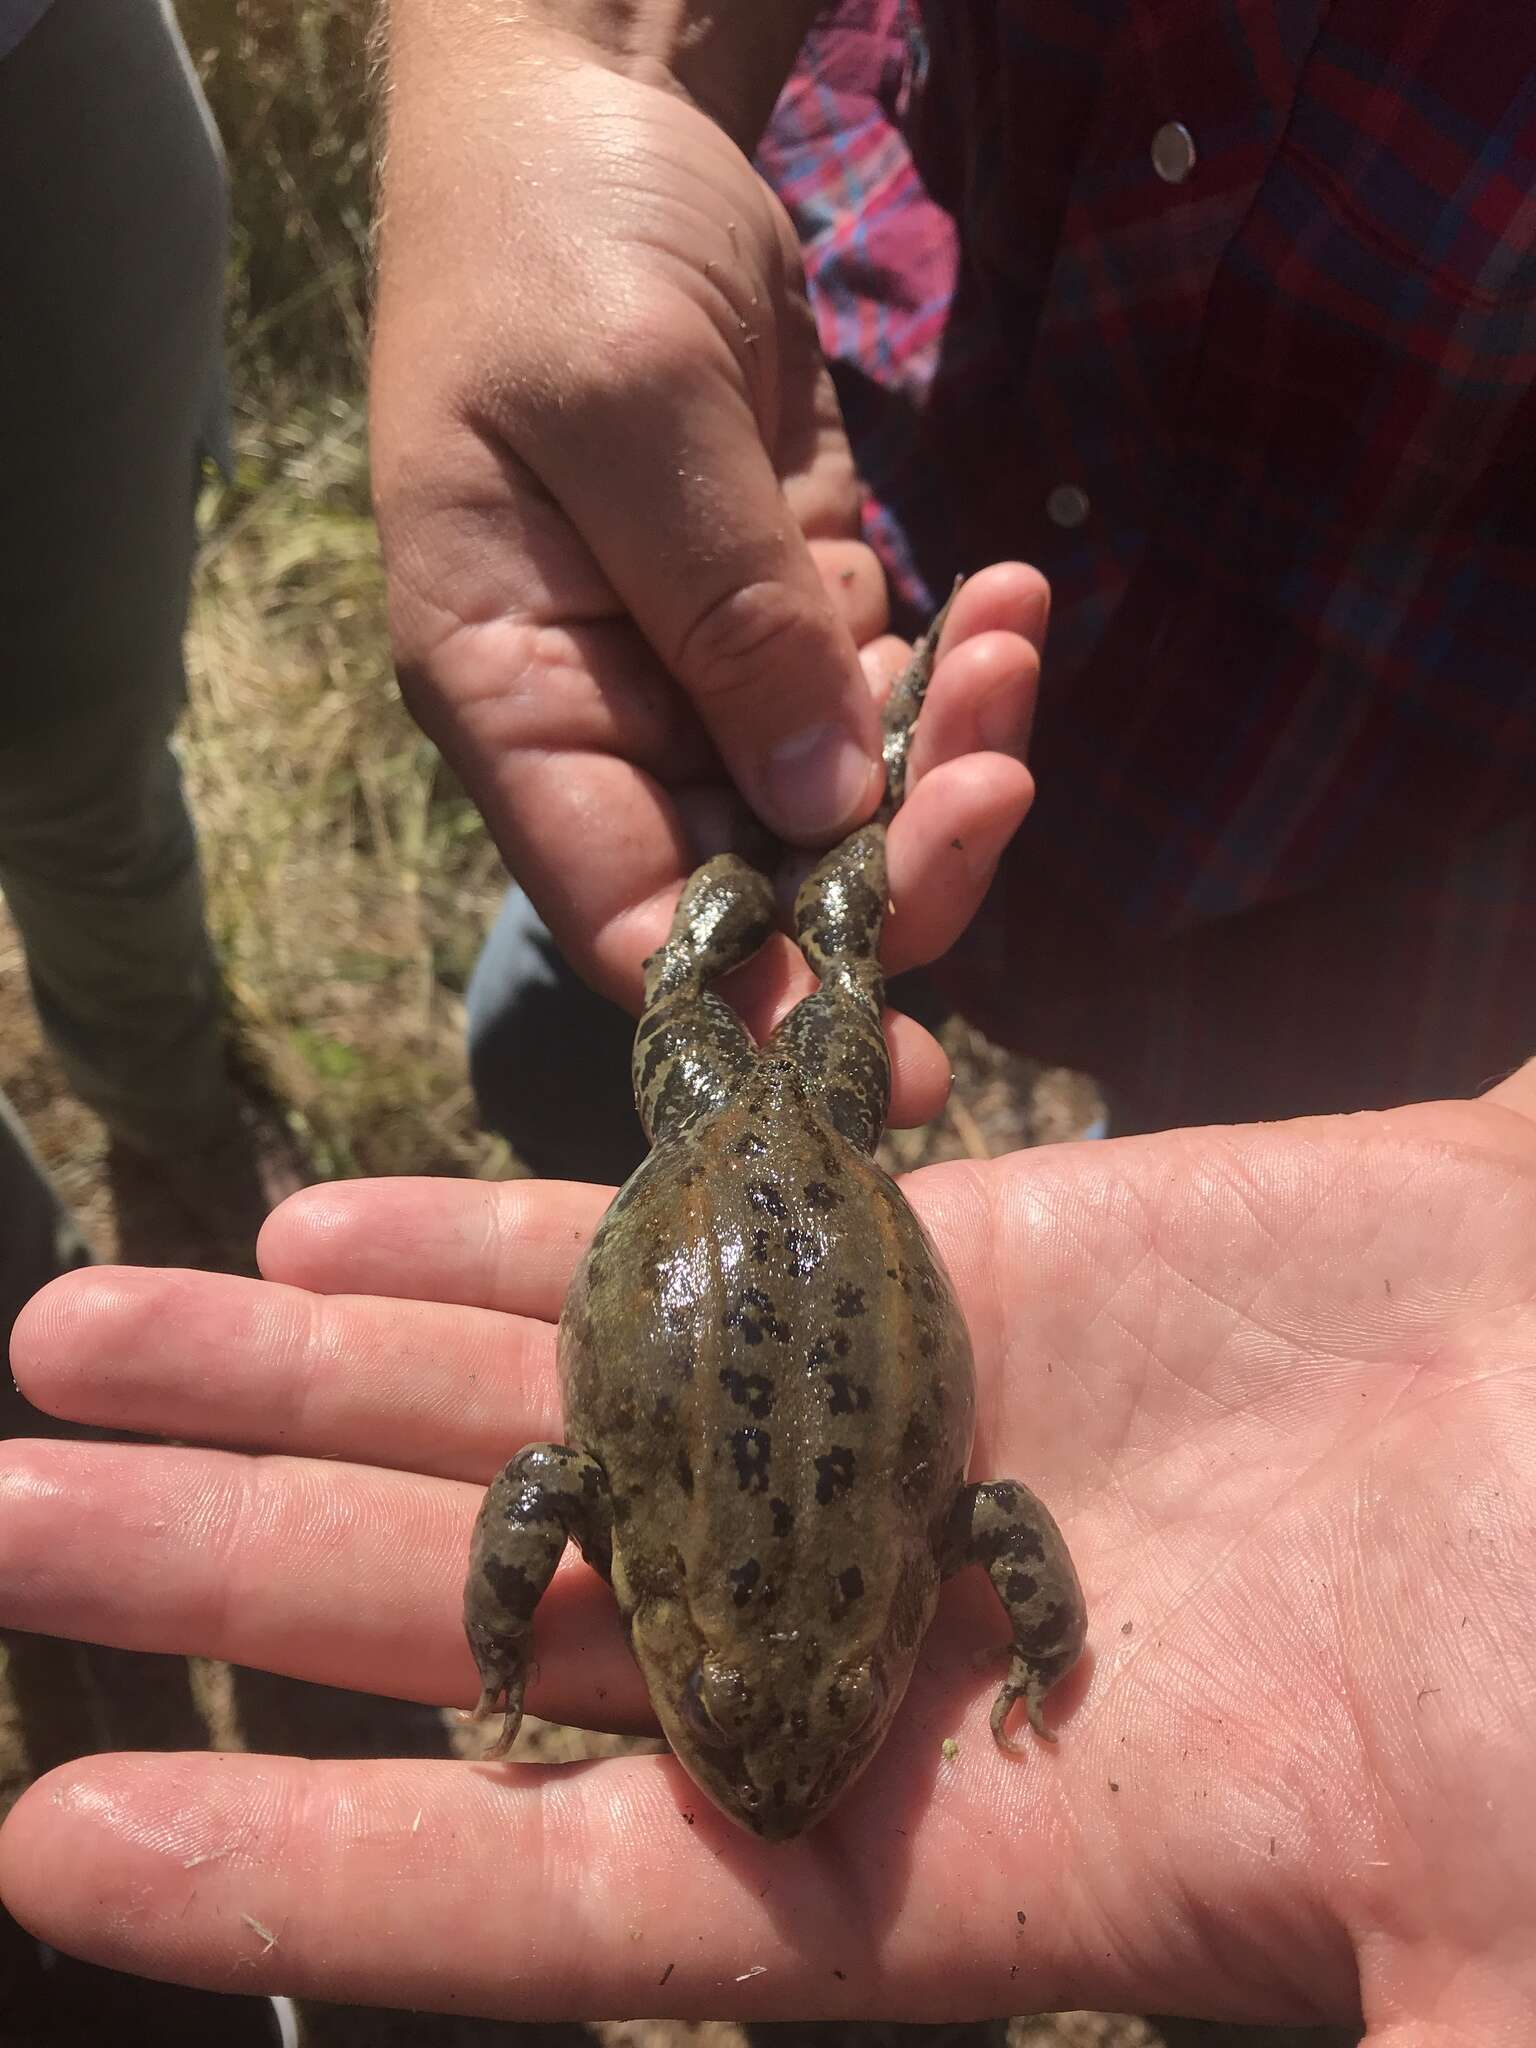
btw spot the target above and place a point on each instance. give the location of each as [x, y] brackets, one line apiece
[508, 1700]
[1032, 1693]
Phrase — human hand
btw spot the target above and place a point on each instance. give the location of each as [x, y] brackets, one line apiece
[1277, 1384]
[620, 519]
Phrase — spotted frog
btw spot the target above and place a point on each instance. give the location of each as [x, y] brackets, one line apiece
[767, 1381]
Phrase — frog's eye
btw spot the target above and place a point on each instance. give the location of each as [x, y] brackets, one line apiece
[697, 1714]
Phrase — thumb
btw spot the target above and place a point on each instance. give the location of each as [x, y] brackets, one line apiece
[665, 474]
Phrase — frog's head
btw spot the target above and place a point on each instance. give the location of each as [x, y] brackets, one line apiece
[773, 1744]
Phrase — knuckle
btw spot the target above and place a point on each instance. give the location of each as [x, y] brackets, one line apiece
[644, 342]
[749, 635]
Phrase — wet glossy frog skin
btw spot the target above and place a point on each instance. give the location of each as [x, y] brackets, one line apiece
[767, 1382]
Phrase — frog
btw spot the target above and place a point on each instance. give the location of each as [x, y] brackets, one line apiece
[766, 1380]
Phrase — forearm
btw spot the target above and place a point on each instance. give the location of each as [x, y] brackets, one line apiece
[731, 57]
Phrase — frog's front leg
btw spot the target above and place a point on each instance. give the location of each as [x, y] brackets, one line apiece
[1002, 1526]
[537, 1503]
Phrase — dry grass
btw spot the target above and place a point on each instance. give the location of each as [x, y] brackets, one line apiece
[349, 881]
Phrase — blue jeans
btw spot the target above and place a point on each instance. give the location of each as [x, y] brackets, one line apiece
[549, 1058]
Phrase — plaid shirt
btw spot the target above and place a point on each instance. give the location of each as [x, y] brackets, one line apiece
[1224, 313]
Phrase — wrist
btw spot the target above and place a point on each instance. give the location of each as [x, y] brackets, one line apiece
[729, 57]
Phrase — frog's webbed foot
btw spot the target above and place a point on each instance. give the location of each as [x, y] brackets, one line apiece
[544, 1497]
[1001, 1526]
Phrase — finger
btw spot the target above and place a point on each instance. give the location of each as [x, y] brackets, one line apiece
[851, 574]
[981, 701]
[335, 1573]
[944, 846]
[587, 685]
[221, 1360]
[506, 1245]
[749, 632]
[1005, 597]
[883, 660]
[530, 1894]
[608, 914]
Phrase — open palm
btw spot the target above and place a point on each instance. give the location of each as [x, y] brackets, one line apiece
[1279, 1385]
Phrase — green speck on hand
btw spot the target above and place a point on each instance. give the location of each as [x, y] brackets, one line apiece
[949, 1749]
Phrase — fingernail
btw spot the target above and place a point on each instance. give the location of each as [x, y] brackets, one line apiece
[817, 780]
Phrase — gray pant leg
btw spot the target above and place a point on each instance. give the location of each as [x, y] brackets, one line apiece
[37, 1239]
[112, 240]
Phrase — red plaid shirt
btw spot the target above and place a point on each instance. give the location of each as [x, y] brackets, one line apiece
[1224, 313]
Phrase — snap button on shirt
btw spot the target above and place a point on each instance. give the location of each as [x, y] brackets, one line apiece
[1068, 505]
[1173, 152]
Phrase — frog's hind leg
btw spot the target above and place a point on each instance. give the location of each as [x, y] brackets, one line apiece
[904, 703]
[691, 1048]
[1001, 1526]
[539, 1501]
[834, 1036]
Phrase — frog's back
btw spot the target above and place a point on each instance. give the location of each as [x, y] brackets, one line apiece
[764, 1356]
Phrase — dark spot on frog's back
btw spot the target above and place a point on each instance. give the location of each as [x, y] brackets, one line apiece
[752, 1451]
[749, 1390]
[846, 1396]
[750, 1146]
[1022, 1586]
[835, 1473]
[762, 1194]
[805, 1250]
[783, 1517]
[849, 1301]
[845, 1591]
[683, 1473]
[821, 1196]
[743, 1578]
[753, 1314]
[835, 1344]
